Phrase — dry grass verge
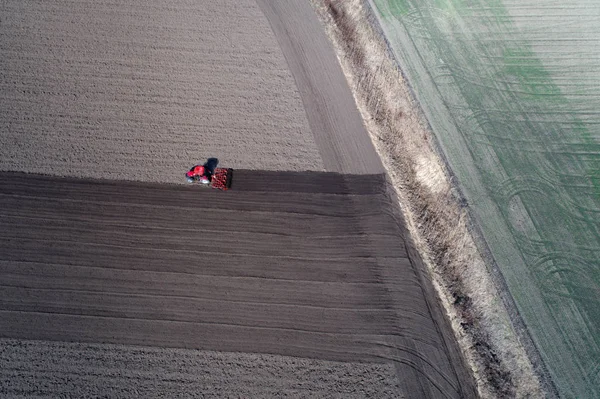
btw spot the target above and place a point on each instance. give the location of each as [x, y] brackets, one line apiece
[435, 212]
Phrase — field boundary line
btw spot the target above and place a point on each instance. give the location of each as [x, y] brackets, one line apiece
[432, 204]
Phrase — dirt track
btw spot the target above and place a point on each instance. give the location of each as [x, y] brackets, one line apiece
[339, 131]
[292, 271]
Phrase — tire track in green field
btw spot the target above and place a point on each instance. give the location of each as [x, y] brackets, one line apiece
[521, 130]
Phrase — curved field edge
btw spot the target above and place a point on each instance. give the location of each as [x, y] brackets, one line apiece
[435, 212]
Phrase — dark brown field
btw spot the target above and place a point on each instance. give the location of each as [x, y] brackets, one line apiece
[309, 265]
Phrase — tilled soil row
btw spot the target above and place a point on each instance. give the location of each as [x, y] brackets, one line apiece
[280, 268]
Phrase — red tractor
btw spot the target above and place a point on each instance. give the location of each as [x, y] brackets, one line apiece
[209, 175]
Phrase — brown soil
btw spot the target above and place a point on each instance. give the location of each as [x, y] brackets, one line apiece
[339, 131]
[142, 90]
[59, 369]
[292, 271]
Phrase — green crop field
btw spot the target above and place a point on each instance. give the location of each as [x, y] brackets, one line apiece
[511, 89]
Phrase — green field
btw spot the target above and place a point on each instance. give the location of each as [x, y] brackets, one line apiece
[511, 89]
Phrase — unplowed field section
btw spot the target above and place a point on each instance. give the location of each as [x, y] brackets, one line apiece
[284, 268]
[140, 90]
[60, 370]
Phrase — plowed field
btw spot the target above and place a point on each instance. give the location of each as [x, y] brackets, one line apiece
[293, 270]
[61, 369]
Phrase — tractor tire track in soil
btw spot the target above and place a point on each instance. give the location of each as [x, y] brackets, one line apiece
[286, 264]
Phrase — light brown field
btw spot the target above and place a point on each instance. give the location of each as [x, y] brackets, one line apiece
[142, 90]
[307, 265]
[60, 369]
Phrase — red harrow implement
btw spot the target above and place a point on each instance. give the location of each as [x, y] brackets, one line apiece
[221, 179]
